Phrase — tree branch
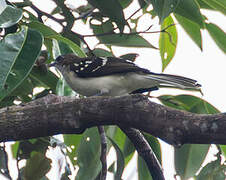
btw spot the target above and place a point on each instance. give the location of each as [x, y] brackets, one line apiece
[42, 13]
[131, 33]
[145, 151]
[103, 154]
[65, 115]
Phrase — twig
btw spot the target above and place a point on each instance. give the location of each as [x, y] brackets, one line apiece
[103, 155]
[81, 37]
[133, 14]
[69, 18]
[86, 14]
[6, 169]
[42, 13]
[132, 33]
[145, 151]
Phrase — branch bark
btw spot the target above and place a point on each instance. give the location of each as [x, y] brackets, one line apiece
[145, 151]
[65, 115]
[103, 153]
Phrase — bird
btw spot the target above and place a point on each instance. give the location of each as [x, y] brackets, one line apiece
[112, 76]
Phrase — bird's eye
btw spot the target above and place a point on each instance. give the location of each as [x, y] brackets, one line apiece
[60, 59]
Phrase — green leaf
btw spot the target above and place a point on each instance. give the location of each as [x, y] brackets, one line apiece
[112, 9]
[59, 48]
[88, 153]
[14, 148]
[189, 158]
[143, 3]
[119, 138]
[130, 56]
[155, 145]
[167, 42]
[212, 171]
[112, 168]
[124, 144]
[7, 101]
[125, 3]
[44, 79]
[128, 150]
[74, 47]
[123, 40]
[203, 5]
[218, 35]
[219, 5]
[126, 41]
[37, 166]
[143, 171]
[50, 34]
[43, 29]
[72, 141]
[9, 50]
[63, 89]
[10, 16]
[120, 160]
[191, 28]
[25, 88]
[24, 56]
[163, 8]
[27, 147]
[188, 103]
[190, 10]
[223, 149]
[102, 52]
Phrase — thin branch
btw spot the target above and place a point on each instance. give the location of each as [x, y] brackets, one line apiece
[81, 37]
[69, 18]
[132, 33]
[17, 164]
[103, 155]
[145, 151]
[133, 14]
[42, 13]
[6, 169]
[86, 14]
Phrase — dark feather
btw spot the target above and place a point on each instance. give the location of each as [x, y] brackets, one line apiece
[112, 66]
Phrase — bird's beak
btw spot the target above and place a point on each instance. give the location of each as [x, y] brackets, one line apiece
[52, 64]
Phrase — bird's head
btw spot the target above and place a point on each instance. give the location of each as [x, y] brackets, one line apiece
[64, 60]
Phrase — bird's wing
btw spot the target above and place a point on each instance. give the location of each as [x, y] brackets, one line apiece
[105, 66]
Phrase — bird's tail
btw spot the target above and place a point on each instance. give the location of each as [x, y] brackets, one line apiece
[167, 80]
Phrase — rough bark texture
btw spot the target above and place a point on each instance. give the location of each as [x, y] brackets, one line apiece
[63, 115]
